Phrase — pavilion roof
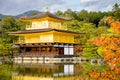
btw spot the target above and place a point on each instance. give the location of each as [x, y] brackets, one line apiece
[45, 14]
[43, 30]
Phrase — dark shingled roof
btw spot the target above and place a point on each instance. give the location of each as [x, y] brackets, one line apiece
[43, 30]
[45, 14]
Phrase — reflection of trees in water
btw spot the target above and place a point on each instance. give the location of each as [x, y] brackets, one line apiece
[47, 70]
[5, 73]
[81, 71]
[40, 70]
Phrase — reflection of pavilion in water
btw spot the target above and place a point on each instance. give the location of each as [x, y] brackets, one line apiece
[46, 72]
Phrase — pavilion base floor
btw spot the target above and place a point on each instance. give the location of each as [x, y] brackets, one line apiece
[44, 53]
[47, 60]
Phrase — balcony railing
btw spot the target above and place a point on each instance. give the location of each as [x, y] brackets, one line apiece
[29, 27]
[19, 41]
[23, 41]
[50, 54]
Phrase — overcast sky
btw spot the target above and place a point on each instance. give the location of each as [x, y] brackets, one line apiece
[14, 7]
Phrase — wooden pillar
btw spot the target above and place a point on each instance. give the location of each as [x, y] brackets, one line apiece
[24, 50]
[52, 50]
[47, 51]
[39, 50]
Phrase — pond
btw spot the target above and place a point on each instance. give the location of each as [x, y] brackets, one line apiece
[69, 71]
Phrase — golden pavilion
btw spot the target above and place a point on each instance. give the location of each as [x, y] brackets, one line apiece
[44, 36]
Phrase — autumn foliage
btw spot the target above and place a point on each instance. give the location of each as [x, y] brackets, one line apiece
[110, 44]
[111, 55]
[107, 75]
[115, 25]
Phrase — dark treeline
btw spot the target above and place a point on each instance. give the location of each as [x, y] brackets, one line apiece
[90, 17]
[84, 15]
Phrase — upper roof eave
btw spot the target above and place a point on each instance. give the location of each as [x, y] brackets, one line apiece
[43, 30]
[45, 14]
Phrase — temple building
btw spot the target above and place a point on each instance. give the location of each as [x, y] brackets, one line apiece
[45, 36]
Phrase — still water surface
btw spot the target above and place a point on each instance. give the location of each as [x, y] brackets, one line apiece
[47, 71]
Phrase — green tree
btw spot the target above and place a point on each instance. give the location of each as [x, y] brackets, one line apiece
[88, 28]
[116, 11]
[8, 24]
[83, 15]
[59, 13]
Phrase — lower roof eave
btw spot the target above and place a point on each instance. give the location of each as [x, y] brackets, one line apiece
[44, 44]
